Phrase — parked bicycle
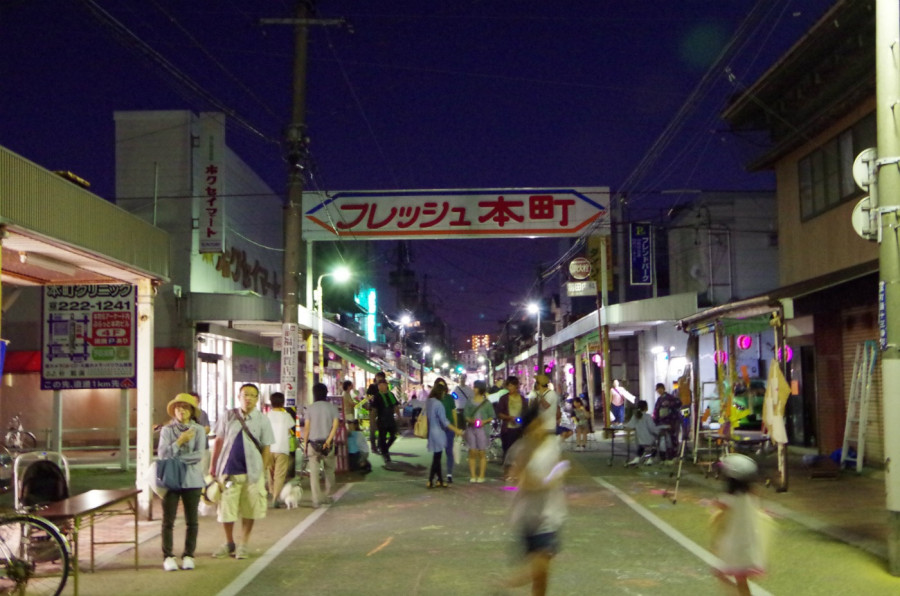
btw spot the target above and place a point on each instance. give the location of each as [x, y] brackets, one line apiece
[34, 556]
[17, 439]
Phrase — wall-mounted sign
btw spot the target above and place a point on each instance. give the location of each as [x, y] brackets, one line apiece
[580, 268]
[641, 241]
[89, 337]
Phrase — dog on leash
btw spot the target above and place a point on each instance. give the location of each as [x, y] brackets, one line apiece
[291, 494]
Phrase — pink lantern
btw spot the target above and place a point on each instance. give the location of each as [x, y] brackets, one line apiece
[744, 342]
[721, 357]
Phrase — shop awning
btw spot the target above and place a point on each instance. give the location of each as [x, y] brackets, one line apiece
[357, 359]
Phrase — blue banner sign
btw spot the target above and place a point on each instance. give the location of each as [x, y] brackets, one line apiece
[641, 242]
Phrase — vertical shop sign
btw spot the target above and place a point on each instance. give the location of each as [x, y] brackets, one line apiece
[88, 337]
[641, 242]
[289, 359]
[209, 184]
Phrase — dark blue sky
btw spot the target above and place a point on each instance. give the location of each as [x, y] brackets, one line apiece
[462, 94]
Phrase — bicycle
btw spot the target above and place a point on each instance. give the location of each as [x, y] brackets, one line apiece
[34, 556]
[17, 439]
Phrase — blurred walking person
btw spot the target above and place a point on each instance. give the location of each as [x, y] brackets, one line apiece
[320, 430]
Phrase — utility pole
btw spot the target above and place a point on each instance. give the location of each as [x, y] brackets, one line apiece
[297, 154]
[887, 79]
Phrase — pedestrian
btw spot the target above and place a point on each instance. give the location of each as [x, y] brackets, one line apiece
[462, 395]
[618, 395]
[509, 410]
[371, 394]
[667, 415]
[539, 507]
[438, 428]
[478, 415]
[239, 457]
[450, 410]
[385, 406]
[357, 449]
[283, 431]
[348, 403]
[548, 400]
[582, 423]
[740, 529]
[646, 432]
[320, 430]
[182, 439]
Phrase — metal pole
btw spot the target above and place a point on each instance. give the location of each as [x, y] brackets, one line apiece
[540, 342]
[320, 312]
[887, 32]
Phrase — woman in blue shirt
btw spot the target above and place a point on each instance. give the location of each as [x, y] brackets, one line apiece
[438, 425]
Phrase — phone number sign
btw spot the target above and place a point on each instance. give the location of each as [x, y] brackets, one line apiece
[88, 337]
[432, 214]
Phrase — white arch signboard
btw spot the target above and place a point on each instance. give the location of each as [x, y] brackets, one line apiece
[446, 214]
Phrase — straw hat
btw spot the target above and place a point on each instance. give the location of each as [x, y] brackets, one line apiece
[739, 466]
[184, 398]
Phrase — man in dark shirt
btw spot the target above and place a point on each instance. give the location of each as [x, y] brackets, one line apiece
[385, 405]
[371, 394]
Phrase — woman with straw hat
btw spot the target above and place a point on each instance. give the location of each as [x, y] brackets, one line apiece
[182, 439]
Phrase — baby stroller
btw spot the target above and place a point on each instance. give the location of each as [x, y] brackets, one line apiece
[39, 478]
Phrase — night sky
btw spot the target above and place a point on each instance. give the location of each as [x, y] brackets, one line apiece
[462, 94]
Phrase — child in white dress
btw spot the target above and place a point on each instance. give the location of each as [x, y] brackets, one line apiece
[740, 528]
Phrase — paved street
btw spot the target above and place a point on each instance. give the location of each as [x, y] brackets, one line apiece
[388, 534]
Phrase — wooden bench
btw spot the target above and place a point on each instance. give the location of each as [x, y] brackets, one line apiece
[93, 504]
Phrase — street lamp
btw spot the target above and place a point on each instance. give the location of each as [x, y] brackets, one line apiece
[425, 349]
[535, 308]
[404, 323]
[340, 274]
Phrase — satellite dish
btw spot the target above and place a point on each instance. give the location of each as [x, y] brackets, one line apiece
[863, 172]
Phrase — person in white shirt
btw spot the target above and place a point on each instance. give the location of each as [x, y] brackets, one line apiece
[548, 402]
[282, 427]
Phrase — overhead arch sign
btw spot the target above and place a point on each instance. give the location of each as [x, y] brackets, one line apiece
[435, 214]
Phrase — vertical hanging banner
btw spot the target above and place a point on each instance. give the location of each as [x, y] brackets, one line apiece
[640, 237]
[289, 355]
[209, 184]
[89, 337]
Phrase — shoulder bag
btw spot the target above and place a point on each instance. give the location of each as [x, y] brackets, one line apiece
[240, 418]
[421, 427]
[170, 473]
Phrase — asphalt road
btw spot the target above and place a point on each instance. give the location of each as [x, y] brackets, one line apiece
[388, 534]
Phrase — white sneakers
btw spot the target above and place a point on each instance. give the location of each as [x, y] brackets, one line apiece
[634, 462]
[171, 564]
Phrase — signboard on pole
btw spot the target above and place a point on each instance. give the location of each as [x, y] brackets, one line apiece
[89, 337]
[641, 241]
[433, 214]
[289, 355]
[581, 288]
[209, 183]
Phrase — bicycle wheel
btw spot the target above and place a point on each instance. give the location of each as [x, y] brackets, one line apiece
[27, 440]
[34, 557]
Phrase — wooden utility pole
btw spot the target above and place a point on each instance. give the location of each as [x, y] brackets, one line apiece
[297, 155]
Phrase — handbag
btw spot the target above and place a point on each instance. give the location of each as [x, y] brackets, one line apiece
[158, 489]
[420, 429]
[211, 491]
[170, 473]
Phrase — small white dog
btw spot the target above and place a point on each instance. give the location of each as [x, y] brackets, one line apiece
[291, 494]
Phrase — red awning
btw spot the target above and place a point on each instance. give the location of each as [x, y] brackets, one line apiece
[27, 361]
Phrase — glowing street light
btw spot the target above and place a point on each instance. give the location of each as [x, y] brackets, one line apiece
[341, 274]
[535, 308]
[425, 349]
